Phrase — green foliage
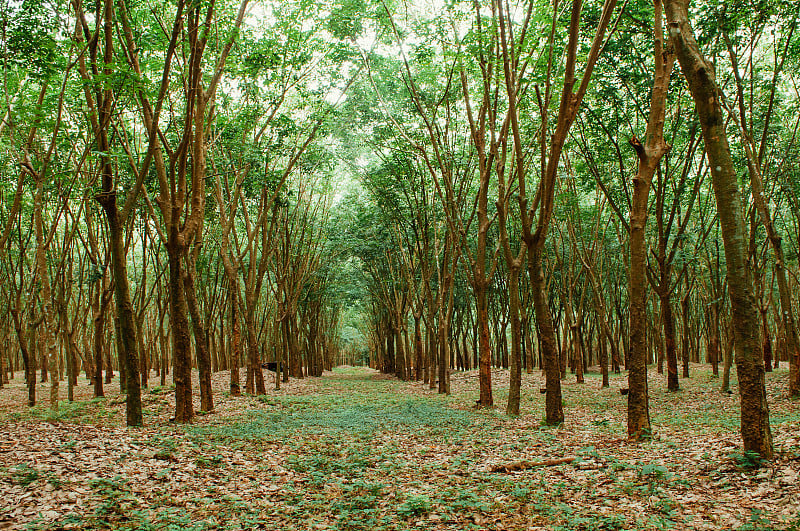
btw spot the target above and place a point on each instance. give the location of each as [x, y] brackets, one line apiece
[794, 525]
[214, 461]
[345, 22]
[590, 521]
[758, 521]
[117, 500]
[748, 460]
[469, 502]
[370, 415]
[29, 37]
[654, 473]
[415, 506]
[358, 506]
[23, 475]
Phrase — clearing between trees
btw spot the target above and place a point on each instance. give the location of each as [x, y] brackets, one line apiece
[359, 450]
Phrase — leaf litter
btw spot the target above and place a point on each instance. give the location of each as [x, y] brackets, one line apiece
[359, 450]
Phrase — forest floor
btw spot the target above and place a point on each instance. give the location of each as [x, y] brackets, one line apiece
[358, 450]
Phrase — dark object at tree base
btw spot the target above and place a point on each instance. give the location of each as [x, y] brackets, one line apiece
[542, 391]
[623, 392]
[274, 366]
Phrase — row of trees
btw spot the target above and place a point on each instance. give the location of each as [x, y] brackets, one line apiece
[164, 201]
[172, 192]
[509, 204]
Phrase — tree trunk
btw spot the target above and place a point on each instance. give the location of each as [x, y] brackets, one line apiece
[767, 339]
[687, 331]
[48, 337]
[649, 153]
[515, 378]
[235, 337]
[200, 338]
[755, 428]
[444, 357]
[669, 341]
[179, 327]
[418, 352]
[28, 361]
[727, 362]
[253, 362]
[484, 347]
[432, 353]
[554, 410]
[713, 339]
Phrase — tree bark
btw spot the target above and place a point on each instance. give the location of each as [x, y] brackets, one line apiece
[128, 340]
[755, 428]
[200, 337]
[668, 322]
[48, 336]
[554, 409]
[649, 153]
[484, 347]
[179, 327]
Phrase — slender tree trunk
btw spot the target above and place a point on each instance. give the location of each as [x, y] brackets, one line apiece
[444, 357]
[668, 322]
[400, 366]
[109, 364]
[235, 338]
[127, 325]
[687, 331]
[529, 353]
[515, 379]
[767, 339]
[144, 353]
[484, 347]
[295, 360]
[200, 338]
[713, 340]
[577, 352]
[419, 354]
[649, 153]
[28, 361]
[554, 410]
[755, 428]
[727, 362]
[253, 361]
[48, 337]
[179, 327]
[433, 349]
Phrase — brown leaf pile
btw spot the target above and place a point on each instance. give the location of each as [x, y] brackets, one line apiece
[82, 469]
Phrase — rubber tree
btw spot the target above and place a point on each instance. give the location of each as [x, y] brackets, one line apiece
[181, 182]
[537, 215]
[700, 75]
[756, 164]
[650, 153]
[100, 103]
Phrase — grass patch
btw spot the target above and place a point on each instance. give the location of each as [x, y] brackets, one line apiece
[359, 415]
[23, 475]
